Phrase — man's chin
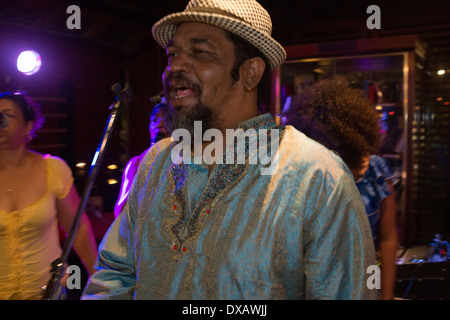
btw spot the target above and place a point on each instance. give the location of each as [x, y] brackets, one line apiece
[180, 104]
[181, 109]
[183, 116]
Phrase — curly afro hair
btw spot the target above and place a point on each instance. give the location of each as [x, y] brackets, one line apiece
[339, 117]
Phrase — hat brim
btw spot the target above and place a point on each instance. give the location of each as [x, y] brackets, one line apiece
[164, 29]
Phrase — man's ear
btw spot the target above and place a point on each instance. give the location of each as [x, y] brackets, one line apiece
[253, 71]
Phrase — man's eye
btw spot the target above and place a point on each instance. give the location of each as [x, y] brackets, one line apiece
[201, 52]
[171, 54]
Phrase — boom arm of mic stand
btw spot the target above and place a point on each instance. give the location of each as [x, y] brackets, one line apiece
[52, 289]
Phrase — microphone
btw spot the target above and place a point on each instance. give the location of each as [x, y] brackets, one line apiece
[4, 121]
[157, 98]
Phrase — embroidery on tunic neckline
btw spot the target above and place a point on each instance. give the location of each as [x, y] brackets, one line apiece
[183, 232]
[223, 177]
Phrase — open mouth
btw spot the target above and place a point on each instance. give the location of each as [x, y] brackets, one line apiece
[180, 91]
[183, 92]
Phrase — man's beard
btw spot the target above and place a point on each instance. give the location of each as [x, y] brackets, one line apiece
[185, 119]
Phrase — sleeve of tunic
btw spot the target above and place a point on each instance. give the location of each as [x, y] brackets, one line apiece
[115, 276]
[338, 247]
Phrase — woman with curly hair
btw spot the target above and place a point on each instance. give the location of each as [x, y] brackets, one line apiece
[36, 195]
[343, 120]
[338, 117]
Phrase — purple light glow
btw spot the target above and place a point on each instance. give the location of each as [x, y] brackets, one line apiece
[29, 62]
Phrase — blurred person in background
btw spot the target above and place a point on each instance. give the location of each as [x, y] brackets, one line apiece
[157, 131]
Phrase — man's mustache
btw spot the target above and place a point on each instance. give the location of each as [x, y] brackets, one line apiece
[179, 79]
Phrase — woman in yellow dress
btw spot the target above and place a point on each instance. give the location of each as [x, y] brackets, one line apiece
[36, 195]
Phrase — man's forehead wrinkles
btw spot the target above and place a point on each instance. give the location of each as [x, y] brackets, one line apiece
[202, 40]
[195, 40]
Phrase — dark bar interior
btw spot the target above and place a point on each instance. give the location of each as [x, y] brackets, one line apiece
[403, 67]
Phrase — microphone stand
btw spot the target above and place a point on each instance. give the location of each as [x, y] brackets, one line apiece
[53, 290]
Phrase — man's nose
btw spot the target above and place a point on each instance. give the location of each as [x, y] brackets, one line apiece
[180, 62]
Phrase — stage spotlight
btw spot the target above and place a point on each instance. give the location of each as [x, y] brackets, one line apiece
[29, 62]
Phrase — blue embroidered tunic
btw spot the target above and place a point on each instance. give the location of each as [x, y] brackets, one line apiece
[299, 233]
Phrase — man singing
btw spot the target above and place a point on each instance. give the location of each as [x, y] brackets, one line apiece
[223, 230]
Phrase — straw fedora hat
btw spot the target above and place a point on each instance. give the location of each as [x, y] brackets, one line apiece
[245, 18]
